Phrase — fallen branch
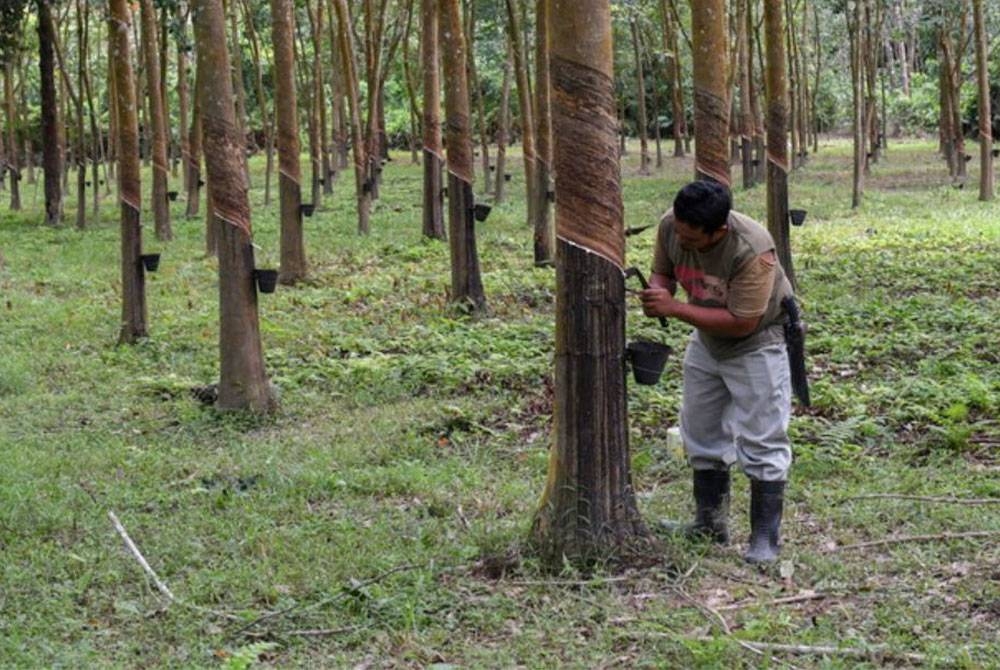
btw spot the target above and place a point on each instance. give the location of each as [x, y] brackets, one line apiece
[918, 538]
[777, 601]
[876, 652]
[130, 545]
[933, 499]
[160, 585]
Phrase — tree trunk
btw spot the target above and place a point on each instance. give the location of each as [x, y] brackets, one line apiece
[133, 325]
[503, 132]
[745, 84]
[674, 78]
[711, 95]
[544, 191]
[13, 164]
[484, 144]
[243, 382]
[640, 95]
[195, 181]
[588, 510]
[362, 183]
[266, 122]
[985, 113]
[239, 91]
[52, 150]
[433, 210]
[857, 85]
[543, 240]
[777, 134]
[466, 280]
[97, 146]
[293, 254]
[410, 81]
[161, 168]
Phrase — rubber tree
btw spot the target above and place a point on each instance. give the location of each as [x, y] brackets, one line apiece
[363, 185]
[133, 324]
[52, 140]
[985, 112]
[588, 509]
[293, 253]
[243, 382]
[745, 83]
[161, 169]
[674, 76]
[710, 49]
[433, 210]
[13, 165]
[466, 279]
[777, 133]
[543, 136]
[640, 95]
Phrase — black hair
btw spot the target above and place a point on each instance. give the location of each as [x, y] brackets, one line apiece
[704, 205]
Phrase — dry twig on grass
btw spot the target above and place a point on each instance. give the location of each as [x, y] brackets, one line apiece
[160, 585]
[917, 538]
[931, 499]
[875, 653]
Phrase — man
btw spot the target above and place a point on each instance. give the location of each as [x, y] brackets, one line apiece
[737, 390]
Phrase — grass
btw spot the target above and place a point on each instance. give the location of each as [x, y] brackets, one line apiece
[383, 510]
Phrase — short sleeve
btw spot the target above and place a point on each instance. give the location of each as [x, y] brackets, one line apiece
[662, 265]
[750, 289]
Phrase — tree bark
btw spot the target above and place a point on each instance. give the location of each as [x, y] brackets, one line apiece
[433, 210]
[745, 83]
[194, 159]
[588, 511]
[13, 164]
[362, 183]
[52, 140]
[711, 94]
[777, 134]
[544, 191]
[293, 254]
[985, 112]
[466, 279]
[674, 78]
[640, 94]
[161, 169]
[854, 30]
[503, 132]
[133, 324]
[243, 382]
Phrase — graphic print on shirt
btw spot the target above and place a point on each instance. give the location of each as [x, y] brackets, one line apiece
[700, 287]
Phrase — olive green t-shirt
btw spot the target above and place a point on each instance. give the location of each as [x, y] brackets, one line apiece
[737, 273]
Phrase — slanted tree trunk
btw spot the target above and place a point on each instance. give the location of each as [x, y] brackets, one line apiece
[243, 382]
[97, 146]
[52, 149]
[503, 132]
[79, 152]
[13, 164]
[161, 168]
[675, 77]
[183, 95]
[474, 86]
[195, 181]
[985, 112]
[745, 84]
[542, 111]
[711, 94]
[362, 183]
[266, 121]
[433, 210]
[133, 325]
[410, 81]
[854, 21]
[293, 253]
[640, 94]
[777, 134]
[466, 279]
[588, 511]
[544, 249]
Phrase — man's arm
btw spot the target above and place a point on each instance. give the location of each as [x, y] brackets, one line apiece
[717, 321]
[659, 300]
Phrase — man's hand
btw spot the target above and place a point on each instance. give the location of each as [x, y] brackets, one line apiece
[657, 301]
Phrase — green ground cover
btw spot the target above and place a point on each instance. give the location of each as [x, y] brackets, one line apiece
[378, 519]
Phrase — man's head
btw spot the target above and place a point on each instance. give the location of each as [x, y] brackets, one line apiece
[701, 210]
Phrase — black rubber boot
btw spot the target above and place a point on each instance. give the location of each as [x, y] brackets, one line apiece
[766, 502]
[711, 517]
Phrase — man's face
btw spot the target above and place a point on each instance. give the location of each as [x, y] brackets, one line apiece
[694, 239]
